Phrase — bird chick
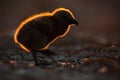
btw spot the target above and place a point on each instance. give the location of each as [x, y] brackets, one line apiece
[39, 31]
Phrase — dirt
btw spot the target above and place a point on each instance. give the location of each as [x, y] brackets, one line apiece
[71, 62]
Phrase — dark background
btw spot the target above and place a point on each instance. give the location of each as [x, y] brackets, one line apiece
[77, 56]
[98, 19]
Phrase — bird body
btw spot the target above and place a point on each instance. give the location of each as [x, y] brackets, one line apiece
[40, 30]
[35, 34]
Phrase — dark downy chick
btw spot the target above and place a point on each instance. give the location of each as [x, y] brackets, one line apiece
[39, 31]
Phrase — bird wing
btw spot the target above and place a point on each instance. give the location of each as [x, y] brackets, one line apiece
[42, 26]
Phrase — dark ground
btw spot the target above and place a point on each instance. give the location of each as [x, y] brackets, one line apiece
[71, 62]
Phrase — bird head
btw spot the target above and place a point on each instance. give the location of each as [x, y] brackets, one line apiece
[64, 17]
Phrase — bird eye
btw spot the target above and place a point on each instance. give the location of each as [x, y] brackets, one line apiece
[64, 16]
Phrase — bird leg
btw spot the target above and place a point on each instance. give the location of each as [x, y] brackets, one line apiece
[35, 58]
[44, 52]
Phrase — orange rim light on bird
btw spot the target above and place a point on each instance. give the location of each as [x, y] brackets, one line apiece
[37, 16]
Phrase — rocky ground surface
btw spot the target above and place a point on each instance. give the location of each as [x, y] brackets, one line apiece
[71, 62]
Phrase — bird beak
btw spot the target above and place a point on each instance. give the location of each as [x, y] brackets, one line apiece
[74, 22]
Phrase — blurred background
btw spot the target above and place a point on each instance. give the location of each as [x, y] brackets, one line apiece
[99, 20]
